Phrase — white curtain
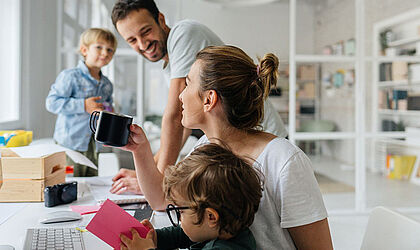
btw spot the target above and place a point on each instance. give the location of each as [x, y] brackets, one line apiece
[9, 60]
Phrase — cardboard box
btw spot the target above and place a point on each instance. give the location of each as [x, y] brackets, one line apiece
[24, 179]
[306, 72]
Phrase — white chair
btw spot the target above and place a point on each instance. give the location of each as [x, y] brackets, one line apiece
[388, 229]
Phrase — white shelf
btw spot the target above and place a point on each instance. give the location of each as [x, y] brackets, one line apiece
[397, 58]
[309, 136]
[399, 112]
[324, 58]
[388, 134]
[404, 41]
[401, 143]
[398, 84]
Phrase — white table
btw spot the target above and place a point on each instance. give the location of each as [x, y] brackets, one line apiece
[13, 230]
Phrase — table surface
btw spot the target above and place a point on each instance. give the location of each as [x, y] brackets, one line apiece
[13, 229]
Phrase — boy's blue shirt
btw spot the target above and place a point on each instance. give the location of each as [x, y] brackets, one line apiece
[67, 99]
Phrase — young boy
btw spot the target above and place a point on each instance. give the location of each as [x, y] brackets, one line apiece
[214, 196]
[79, 91]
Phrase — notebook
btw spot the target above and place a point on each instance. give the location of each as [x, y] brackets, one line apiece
[100, 186]
[111, 221]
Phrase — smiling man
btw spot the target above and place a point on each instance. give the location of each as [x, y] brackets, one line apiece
[144, 28]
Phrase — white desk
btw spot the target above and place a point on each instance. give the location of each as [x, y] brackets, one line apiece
[13, 230]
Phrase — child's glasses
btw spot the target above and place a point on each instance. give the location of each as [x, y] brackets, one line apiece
[174, 214]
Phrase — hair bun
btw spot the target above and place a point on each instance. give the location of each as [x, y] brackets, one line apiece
[268, 74]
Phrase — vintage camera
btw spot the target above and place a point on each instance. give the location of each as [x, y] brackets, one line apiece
[60, 194]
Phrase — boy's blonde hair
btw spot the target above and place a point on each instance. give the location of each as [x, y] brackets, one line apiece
[93, 35]
[213, 177]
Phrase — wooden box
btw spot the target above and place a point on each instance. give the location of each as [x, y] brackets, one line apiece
[24, 179]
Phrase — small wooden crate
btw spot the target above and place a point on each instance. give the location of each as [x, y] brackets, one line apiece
[24, 179]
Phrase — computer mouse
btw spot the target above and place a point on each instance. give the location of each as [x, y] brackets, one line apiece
[60, 216]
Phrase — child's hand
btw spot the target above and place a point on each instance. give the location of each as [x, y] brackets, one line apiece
[147, 223]
[137, 242]
[91, 104]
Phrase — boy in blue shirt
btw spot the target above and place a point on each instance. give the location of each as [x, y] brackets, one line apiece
[214, 196]
[79, 91]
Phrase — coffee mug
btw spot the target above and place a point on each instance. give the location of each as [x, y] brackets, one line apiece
[110, 128]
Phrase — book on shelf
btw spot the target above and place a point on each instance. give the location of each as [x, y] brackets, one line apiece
[400, 166]
[385, 72]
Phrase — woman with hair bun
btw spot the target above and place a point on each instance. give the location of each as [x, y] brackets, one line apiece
[224, 97]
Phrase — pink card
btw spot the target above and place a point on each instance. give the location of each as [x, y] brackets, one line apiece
[111, 221]
[85, 209]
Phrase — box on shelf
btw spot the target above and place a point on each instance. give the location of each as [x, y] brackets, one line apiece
[414, 71]
[306, 72]
[399, 71]
[413, 102]
[24, 179]
[400, 166]
[15, 138]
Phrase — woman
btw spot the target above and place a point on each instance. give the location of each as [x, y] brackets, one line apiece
[224, 98]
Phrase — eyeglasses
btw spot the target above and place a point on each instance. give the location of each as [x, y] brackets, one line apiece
[174, 214]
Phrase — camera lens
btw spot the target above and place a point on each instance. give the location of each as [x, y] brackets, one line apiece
[69, 193]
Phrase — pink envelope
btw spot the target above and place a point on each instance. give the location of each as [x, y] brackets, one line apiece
[111, 221]
[85, 209]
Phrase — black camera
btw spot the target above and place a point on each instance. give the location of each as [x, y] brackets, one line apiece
[60, 194]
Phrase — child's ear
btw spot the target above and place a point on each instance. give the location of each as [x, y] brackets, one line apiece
[212, 217]
[210, 100]
[83, 50]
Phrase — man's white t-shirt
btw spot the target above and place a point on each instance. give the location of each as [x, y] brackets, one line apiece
[291, 195]
[185, 40]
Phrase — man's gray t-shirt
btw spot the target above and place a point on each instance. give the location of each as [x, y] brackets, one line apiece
[185, 40]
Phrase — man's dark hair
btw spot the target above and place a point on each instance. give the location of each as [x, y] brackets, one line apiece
[124, 7]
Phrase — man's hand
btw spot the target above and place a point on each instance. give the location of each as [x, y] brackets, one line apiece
[125, 181]
[91, 104]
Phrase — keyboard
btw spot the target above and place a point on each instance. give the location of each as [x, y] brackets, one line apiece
[53, 238]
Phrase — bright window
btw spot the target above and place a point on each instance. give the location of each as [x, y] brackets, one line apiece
[9, 61]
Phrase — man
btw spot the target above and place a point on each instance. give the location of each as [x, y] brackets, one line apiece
[144, 28]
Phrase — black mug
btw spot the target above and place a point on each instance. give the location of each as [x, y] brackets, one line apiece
[110, 128]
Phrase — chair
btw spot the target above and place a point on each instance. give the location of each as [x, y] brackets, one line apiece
[388, 229]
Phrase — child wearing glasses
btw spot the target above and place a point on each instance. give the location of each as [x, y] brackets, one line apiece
[214, 196]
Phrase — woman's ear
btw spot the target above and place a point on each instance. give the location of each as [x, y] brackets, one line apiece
[210, 100]
[212, 217]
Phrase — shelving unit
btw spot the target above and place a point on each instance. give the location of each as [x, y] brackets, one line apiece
[358, 60]
[388, 142]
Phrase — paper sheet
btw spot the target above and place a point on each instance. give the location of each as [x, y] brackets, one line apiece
[85, 209]
[111, 221]
[101, 194]
[46, 149]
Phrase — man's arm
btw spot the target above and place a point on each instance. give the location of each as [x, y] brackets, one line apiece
[312, 236]
[172, 129]
[186, 133]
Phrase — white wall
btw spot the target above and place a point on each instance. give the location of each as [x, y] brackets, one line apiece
[334, 22]
[38, 63]
[256, 29]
